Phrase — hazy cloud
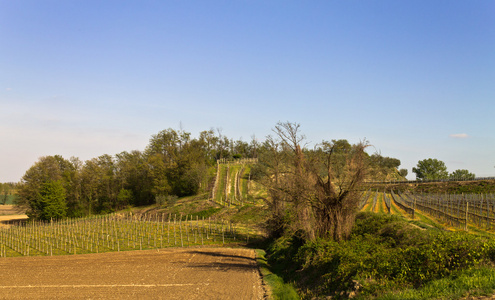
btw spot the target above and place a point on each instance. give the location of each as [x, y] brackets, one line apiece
[459, 135]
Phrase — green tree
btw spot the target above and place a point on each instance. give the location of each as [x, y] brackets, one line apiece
[134, 172]
[5, 190]
[124, 198]
[46, 169]
[99, 185]
[50, 203]
[431, 169]
[179, 164]
[384, 168]
[461, 174]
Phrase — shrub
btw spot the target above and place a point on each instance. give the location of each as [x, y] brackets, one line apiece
[384, 252]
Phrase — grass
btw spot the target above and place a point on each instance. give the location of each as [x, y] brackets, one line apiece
[10, 199]
[470, 283]
[278, 289]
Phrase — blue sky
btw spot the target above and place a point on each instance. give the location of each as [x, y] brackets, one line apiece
[86, 78]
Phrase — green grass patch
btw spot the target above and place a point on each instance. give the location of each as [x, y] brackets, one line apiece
[469, 283]
[209, 212]
[278, 289]
[9, 201]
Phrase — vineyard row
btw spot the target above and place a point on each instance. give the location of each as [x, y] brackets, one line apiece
[113, 233]
[458, 210]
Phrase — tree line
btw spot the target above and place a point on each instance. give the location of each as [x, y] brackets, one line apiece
[434, 169]
[6, 190]
[174, 164]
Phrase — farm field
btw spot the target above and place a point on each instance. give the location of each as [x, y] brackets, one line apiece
[469, 212]
[193, 273]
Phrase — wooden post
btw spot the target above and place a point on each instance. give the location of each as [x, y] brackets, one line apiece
[467, 215]
[180, 229]
[481, 211]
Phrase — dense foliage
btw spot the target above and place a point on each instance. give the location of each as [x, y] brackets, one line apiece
[6, 192]
[430, 169]
[383, 253]
[434, 169]
[173, 165]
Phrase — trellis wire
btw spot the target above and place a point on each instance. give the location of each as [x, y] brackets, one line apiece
[117, 232]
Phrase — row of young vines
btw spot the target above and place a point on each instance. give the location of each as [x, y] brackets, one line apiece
[231, 185]
[118, 232]
[457, 210]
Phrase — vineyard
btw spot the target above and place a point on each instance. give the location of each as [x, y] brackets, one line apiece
[127, 231]
[232, 188]
[460, 211]
[118, 232]
[232, 182]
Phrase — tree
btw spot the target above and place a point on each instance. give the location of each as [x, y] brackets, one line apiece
[134, 172]
[270, 172]
[5, 189]
[314, 193]
[50, 203]
[462, 175]
[384, 168]
[338, 176]
[124, 198]
[431, 169]
[47, 168]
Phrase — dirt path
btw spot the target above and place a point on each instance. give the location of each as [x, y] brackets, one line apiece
[194, 273]
[13, 217]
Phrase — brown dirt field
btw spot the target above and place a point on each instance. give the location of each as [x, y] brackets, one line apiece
[10, 210]
[193, 273]
[7, 220]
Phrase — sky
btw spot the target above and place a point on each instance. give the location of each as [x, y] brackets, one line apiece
[85, 78]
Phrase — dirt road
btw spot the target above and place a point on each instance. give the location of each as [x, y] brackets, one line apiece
[193, 273]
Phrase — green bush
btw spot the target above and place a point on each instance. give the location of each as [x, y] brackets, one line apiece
[384, 252]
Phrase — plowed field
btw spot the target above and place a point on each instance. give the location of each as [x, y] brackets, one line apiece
[194, 273]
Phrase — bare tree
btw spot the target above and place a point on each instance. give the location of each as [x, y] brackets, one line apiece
[318, 189]
[337, 188]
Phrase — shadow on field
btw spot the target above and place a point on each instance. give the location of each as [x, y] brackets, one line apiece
[229, 262]
[224, 266]
[216, 254]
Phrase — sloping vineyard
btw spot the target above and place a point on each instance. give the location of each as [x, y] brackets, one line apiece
[114, 233]
[232, 183]
[455, 210]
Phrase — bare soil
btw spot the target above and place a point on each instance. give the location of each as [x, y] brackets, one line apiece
[11, 214]
[193, 273]
[10, 210]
